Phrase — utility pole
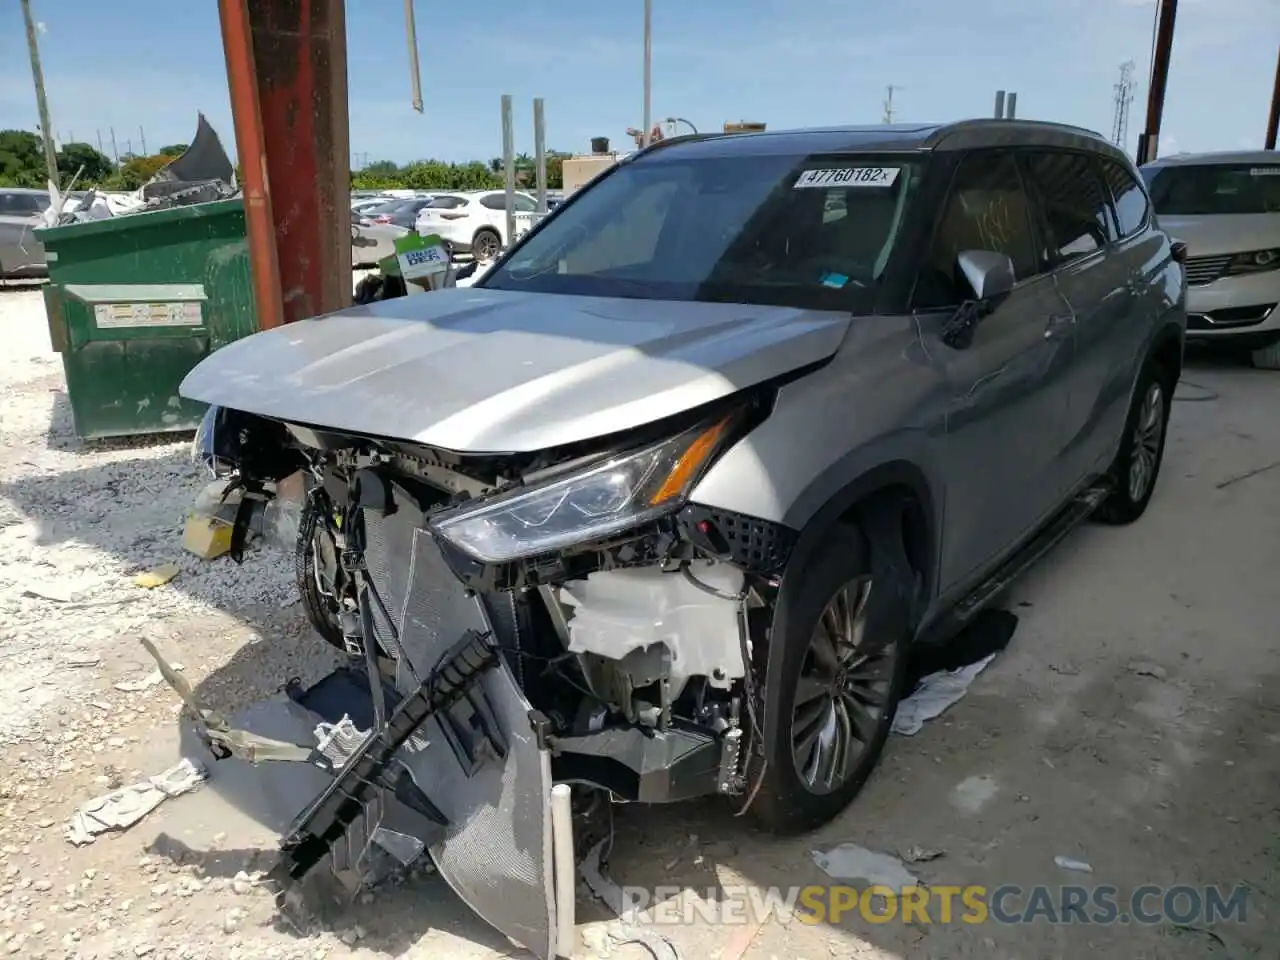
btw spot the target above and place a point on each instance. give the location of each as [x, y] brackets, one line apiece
[115, 152]
[415, 75]
[1161, 54]
[888, 103]
[1124, 97]
[98, 133]
[143, 134]
[1273, 122]
[647, 127]
[42, 104]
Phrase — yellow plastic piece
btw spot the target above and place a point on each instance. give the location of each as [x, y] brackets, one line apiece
[206, 537]
[157, 576]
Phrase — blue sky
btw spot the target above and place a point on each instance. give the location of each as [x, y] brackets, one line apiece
[789, 63]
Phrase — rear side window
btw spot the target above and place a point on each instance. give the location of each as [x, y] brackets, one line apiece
[1213, 189]
[986, 210]
[1075, 204]
[1127, 195]
[494, 201]
[445, 203]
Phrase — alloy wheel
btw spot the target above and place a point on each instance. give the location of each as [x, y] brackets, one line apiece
[842, 693]
[1146, 442]
[486, 247]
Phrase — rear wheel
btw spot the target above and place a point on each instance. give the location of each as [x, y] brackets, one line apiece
[840, 687]
[1137, 465]
[486, 245]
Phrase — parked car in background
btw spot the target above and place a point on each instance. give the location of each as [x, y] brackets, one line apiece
[664, 504]
[1226, 208]
[402, 213]
[473, 222]
[364, 204]
[21, 254]
[370, 241]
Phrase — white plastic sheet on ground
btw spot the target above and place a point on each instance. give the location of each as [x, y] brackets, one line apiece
[936, 693]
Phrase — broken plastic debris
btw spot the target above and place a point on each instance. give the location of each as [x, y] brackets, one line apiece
[1066, 863]
[922, 854]
[627, 929]
[936, 693]
[157, 576]
[122, 808]
[852, 862]
[152, 679]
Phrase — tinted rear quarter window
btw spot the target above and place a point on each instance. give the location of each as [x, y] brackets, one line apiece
[445, 203]
[1128, 198]
[1076, 208]
[1186, 190]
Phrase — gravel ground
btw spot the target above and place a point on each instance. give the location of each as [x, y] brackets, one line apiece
[1132, 723]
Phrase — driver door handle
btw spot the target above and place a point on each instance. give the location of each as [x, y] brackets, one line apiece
[1060, 325]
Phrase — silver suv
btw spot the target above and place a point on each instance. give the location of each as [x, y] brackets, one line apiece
[662, 505]
[1226, 208]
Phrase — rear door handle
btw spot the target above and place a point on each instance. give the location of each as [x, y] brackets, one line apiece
[1060, 325]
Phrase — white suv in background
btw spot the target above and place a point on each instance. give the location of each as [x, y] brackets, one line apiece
[1226, 208]
[472, 222]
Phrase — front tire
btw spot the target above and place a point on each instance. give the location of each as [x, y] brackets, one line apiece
[1268, 358]
[1137, 465]
[839, 691]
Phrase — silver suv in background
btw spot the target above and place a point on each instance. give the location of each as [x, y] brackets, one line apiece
[21, 254]
[1226, 208]
[662, 504]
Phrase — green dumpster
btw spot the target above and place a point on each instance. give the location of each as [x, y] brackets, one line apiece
[134, 302]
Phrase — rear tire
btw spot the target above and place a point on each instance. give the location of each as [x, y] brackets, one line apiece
[1268, 358]
[486, 245]
[798, 791]
[1137, 466]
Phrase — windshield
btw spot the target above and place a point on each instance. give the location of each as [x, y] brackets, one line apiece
[1187, 191]
[810, 232]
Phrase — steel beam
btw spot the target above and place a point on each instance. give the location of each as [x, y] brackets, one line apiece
[297, 54]
[1149, 142]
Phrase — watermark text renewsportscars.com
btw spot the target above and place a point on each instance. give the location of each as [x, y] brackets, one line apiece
[972, 905]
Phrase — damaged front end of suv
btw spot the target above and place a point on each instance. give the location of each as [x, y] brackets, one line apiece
[564, 616]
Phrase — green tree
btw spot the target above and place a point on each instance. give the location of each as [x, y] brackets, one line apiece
[21, 159]
[173, 150]
[136, 171]
[91, 165]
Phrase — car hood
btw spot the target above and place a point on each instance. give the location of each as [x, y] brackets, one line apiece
[1218, 235]
[493, 371]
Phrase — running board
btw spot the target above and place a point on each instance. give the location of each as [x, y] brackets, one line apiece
[1051, 534]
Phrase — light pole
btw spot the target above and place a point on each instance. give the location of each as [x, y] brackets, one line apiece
[42, 105]
[647, 126]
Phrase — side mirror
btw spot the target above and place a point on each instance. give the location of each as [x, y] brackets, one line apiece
[988, 273]
[1178, 250]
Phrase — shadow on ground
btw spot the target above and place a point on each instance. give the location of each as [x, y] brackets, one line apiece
[1146, 763]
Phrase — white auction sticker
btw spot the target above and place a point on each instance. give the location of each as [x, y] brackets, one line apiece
[1265, 172]
[185, 313]
[849, 177]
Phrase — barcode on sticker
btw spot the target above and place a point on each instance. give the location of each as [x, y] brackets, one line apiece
[848, 177]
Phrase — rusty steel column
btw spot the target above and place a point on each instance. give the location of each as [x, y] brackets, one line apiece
[300, 65]
[237, 46]
[1274, 122]
[1149, 142]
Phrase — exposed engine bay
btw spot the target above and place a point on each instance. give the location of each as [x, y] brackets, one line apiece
[522, 621]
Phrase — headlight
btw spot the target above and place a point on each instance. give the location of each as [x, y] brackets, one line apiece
[612, 496]
[1254, 262]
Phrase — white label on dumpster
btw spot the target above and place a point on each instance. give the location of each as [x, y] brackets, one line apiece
[180, 314]
[424, 262]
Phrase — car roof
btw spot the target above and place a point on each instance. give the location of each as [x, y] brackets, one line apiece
[1215, 157]
[895, 137]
